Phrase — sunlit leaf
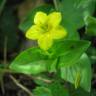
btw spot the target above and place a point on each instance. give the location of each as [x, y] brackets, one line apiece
[31, 61]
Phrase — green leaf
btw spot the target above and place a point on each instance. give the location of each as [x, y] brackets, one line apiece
[92, 54]
[90, 25]
[52, 65]
[52, 89]
[83, 67]
[42, 91]
[58, 89]
[73, 13]
[29, 20]
[31, 61]
[69, 51]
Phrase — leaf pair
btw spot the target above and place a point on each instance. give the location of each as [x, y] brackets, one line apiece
[35, 61]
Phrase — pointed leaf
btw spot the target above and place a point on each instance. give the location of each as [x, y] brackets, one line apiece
[69, 73]
[69, 51]
[31, 61]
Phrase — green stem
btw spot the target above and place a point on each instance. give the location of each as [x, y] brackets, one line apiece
[5, 51]
[55, 4]
[5, 61]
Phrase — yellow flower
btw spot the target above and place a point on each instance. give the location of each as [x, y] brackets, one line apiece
[46, 28]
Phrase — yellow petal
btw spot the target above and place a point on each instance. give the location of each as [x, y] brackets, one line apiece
[40, 18]
[45, 41]
[54, 19]
[58, 33]
[34, 32]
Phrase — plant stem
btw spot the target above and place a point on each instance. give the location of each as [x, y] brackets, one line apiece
[2, 6]
[5, 51]
[55, 4]
[40, 78]
[5, 61]
[21, 86]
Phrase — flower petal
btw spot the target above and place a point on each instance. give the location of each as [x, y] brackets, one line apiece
[34, 32]
[58, 32]
[45, 41]
[40, 18]
[54, 19]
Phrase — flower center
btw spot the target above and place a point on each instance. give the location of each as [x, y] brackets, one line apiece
[45, 28]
